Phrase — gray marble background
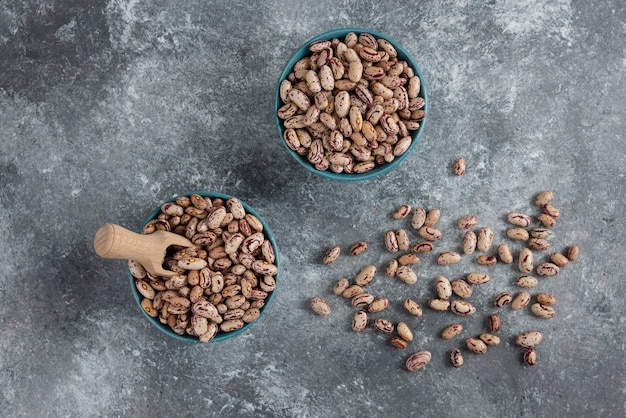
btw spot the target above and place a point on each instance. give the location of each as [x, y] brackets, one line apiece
[108, 108]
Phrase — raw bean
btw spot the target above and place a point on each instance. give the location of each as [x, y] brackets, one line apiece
[486, 260]
[136, 269]
[399, 342]
[529, 339]
[383, 325]
[407, 275]
[504, 252]
[517, 234]
[550, 210]
[149, 308]
[358, 248]
[530, 356]
[352, 291]
[418, 218]
[477, 278]
[573, 252]
[402, 239]
[459, 166]
[525, 263]
[192, 263]
[378, 305]
[544, 233]
[412, 307]
[559, 259]
[331, 255]
[546, 220]
[402, 212]
[527, 282]
[461, 288]
[364, 299]
[447, 258]
[366, 275]
[456, 357]
[521, 300]
[484, 238]
[392, 268]
[444, 288]
[359, 321]
[418, 360]
[404, 331]
[547, 269]
[430, 233]
[319, 306]
[232, 325]
[439, 304]
[467, 222]
[490, 339]
[451, 331]
[423, 247]
[502, 298]
[539, 244]
[391, 242]
[212, 329]
[542, 311]
[476, 345]
[340, 286]
[408, 259]
[519, 219]
[432, 217]
[494, 322]
[145, 289]
[469, 242]
[251, 315]
[461, 307]
[546, 299]
[544, 198]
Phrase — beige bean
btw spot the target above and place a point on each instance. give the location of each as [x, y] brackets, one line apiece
[392, 268]
[447, 258]
[418, 218]
[359, 321]
[484, 239]
[547, 269]
[422, 247]
[486, 260]
[546, 220]
[527, 282]
[551, 211]
[476, 345]
[331, 255]
[459, 166]
[529, 339]
[352, 291]
[573, 252]
[364, 299]
[544, 198]
[463, 308]
[505, 254]
[402, 238]
[358, 248]
[469, 242]
[149, 308]
[559, 259]
[408, 259]
[232, 325]
[494, 322]
[391, 241]
[461, 288]
[525, 263]
[530, 356]
[378, 305]
[451, 331]
[546, 299]
[404, 331]
[320, 306]
[542, 311]
[432, 217]
[384, 325]
[467, 222]
[519, 219]
[490, 339]
[406, 274]
[430, 233]
[340, 286]
[366, 275]
[477, 278]
[502, 298]
[544, 233]
[443, 287]
[538, 244]
[517, 234]
[418, 360]
[402, 212]
[412, 307]
[521, 300]
[439, 304]
[399, 342]
[456, 357]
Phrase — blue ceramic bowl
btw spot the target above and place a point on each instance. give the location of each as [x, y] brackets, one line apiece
[302, 52]
[221, 336]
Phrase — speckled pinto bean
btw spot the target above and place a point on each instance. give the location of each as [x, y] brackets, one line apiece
[418, 360]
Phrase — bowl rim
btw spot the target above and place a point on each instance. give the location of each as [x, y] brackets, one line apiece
[221, 336]
[299, 53]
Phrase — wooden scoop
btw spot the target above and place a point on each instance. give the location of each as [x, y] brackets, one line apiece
[114, 241]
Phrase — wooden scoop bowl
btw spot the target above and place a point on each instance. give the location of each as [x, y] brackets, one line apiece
[114, 241]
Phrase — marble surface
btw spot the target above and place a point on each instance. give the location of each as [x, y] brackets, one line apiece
[108, 108]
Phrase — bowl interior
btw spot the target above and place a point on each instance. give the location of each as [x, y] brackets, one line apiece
[221, 336]
[302, 52]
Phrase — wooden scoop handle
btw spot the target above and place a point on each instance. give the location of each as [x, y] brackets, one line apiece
[114, 241]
